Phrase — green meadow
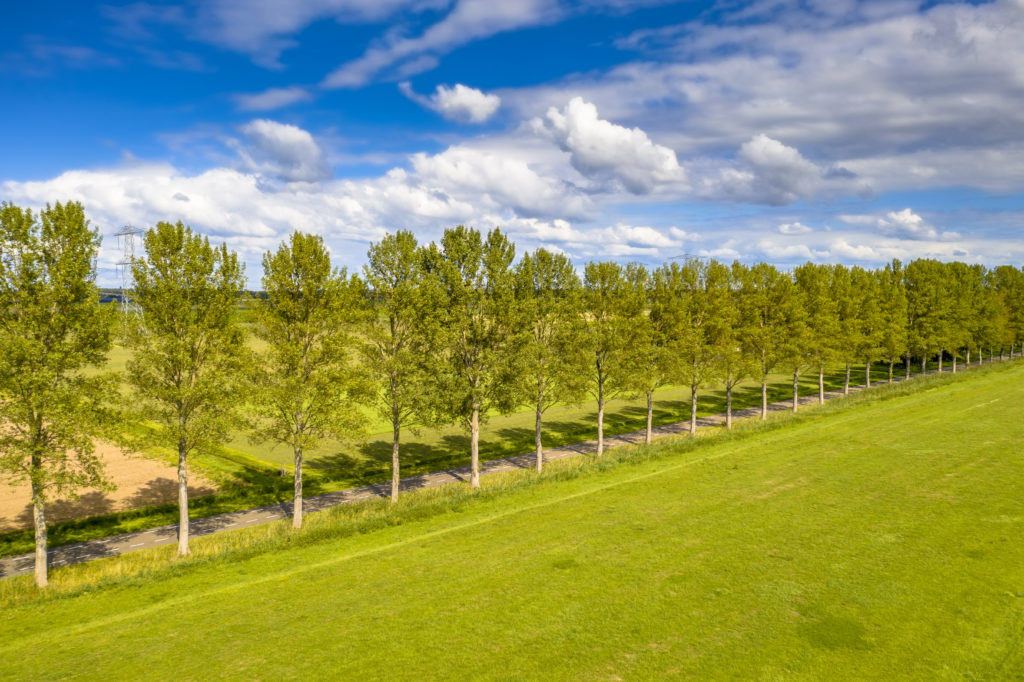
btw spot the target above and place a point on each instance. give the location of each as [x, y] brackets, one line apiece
[248, 473]
[879, 536]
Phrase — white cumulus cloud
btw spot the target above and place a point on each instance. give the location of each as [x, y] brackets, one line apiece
[283, 151]
[458, 103]
[600, 149]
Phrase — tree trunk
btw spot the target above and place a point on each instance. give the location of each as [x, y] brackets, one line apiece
[538, 421]
[474, 446]
[867, 374]
[396, 479]
[924, 365]
[891, 363]
[728, 405]
[182, 500]
[650, 417]
[600, 419]
[693, 409]
[821, 384]
[967, 361]
[297, 505]
[954, 363]
[846, 382]
[764, 398]
[908, 365]
[39, 521]
[941, 353]
[796, 388]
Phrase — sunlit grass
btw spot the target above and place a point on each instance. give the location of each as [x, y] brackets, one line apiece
[876, 537]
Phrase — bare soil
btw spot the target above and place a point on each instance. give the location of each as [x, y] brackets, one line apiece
[140, 481]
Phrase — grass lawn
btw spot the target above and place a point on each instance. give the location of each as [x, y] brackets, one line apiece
[881, 538]
[247, 473]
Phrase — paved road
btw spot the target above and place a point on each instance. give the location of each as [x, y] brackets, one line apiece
[164, 535]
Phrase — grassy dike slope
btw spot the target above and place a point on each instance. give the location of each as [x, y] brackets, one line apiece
[886, 539]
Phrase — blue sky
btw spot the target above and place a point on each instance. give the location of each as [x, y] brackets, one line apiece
[777, 130]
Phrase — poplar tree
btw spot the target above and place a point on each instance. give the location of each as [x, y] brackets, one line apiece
[612, 307]
[865, 286]
[925, 305]
[847, 308]
[52, 327]
[704, 295]
[480, 329]
[307, 381]
[1009, 282]
[650, 359]
[765, 302]
[799, 344]
[396, 351]
[732, 364]
[189, 356]
[892, 338]
[961, 282]
[822, 318]
[554, 360]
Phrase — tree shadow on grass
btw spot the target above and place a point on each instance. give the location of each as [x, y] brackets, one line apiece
[164, 491]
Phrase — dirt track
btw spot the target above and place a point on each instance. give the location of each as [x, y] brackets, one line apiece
[141, 482]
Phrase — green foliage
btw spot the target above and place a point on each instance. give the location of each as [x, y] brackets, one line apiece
[189, 357]
[822, 313]
[396, 353]
[550, 299]
[52, 327]
[767, 304]
[307, 380]
[478, 327]
[613, 305]
[893, 304]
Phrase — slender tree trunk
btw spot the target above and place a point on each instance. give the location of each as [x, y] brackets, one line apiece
[39, 521]
[891, 363]
[182, 500]
[867, 374]
[650, 417]
[796, 388]
[474, 446]
[941, 353]
[821, 384]
[538, 421]
[396, 433]
[693, 409]
[297, 505]
[600, 418]
[967, 360]
[924, 366]
[846, 382]
[728, 404]
[908, 365]
[954, 363]
[764, 398]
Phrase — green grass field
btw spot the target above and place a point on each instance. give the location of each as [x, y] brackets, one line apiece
[247, 472]
[872, 538]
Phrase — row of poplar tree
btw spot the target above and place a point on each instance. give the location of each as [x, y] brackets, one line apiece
[427, 334]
